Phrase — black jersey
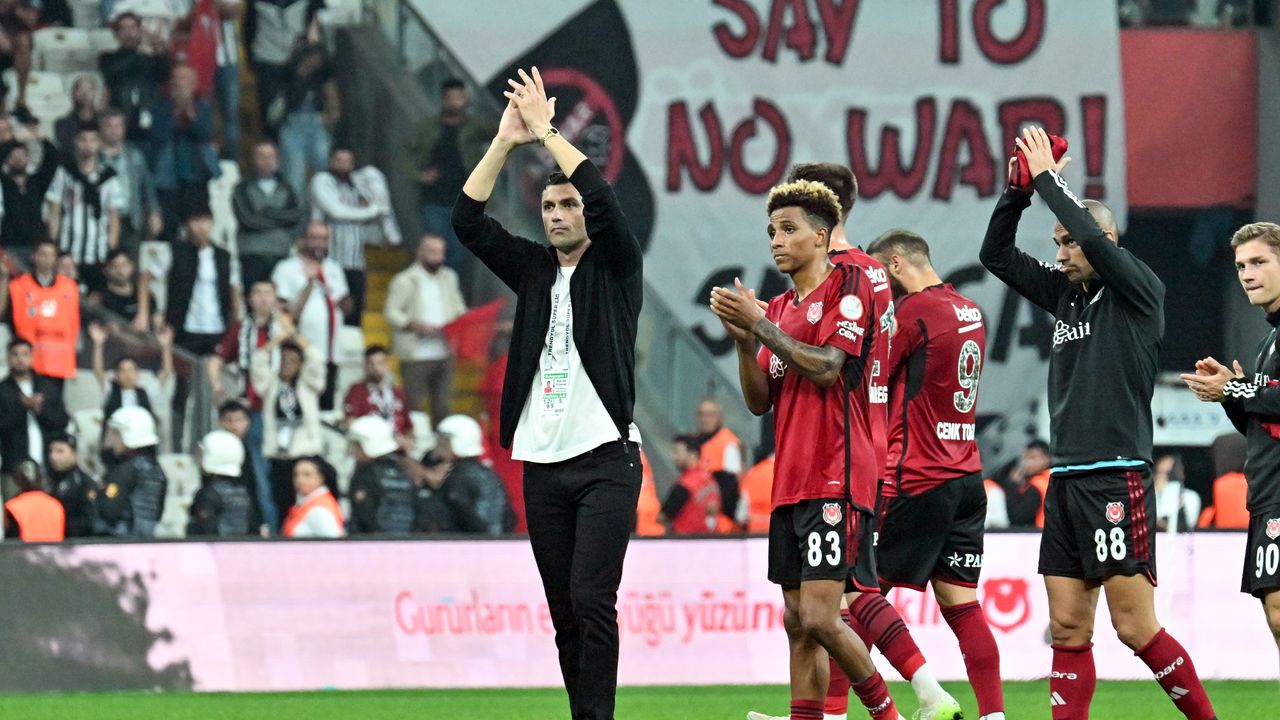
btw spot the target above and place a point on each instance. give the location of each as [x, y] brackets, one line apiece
[1253, 405]
[1106, 339]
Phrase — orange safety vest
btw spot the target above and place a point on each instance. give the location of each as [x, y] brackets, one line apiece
[713, 450]
[1041, 482]
[757, 485]
[49, 319]
[39, 516]
[1229, 494]
[325, 500]
[649, 507]
[704, 502]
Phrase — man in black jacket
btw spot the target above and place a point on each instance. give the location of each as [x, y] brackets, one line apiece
[72, 486]
[573, 341]
[30, 409]
[1100, 509]
[1253, 405]
[381, 491]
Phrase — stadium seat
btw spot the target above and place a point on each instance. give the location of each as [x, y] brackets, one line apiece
[424, 437]
[46, 97]
[224, 218]
[183, 475]
[69, 80]
[350, 345]
[59, 49]
[103, 40]
[86, 14]
[151, 255]
[82, 392]
[88, 434]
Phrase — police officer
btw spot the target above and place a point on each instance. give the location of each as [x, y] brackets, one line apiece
[381, 492]
[474, 494]
[133, 495]
[72, 486]
[222, 506]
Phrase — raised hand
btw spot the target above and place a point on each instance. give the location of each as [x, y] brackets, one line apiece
[1035, 144]
[511, 128]
[97, 333]
[1210, 379]
[738, 309]
[530, 99]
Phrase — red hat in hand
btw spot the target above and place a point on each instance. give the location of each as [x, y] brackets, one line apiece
[1020, 176]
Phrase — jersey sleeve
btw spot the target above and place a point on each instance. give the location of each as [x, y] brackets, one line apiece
[847, 315]
[907, 338]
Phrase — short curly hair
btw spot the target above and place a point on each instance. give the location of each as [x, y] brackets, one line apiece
[818, 202]
[837, 177]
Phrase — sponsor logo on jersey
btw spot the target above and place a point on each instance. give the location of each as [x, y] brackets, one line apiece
[1064, 333]
[1006, 603]
[777, 368]
[851, 307]
[849, 330]
[967, 314]
[815, 313]
[887, 321]
[831, 513]
[1115, 512]
[968, 560]
[1273, 528]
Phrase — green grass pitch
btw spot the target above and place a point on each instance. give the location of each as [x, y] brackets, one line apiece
[1025, 701]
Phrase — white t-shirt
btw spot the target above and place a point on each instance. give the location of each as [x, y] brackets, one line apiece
[203, 314]
[316, 322]
[35, 438]
[563, 416]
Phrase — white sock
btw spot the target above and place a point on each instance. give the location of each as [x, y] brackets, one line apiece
[928, 691]
[993, 716]
[841, 716]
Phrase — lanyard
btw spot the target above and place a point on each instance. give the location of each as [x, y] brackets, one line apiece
[549, 359]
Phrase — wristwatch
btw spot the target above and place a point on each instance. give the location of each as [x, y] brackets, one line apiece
[550, 133]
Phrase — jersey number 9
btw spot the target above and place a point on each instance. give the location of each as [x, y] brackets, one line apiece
[967, 373]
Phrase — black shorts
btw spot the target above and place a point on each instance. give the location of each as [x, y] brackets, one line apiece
[1262, 558]
[819, 540]
[1100, 525]
[937, 534]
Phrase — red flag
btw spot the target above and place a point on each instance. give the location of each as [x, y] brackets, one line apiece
[471, 334]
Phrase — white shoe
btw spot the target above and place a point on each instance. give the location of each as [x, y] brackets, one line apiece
[945, 709]
[753, 715]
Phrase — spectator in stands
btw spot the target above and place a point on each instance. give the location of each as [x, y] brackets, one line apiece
[140, 217]
[127, 388]
[377, 394]
[312, 108]
[271, 30]
[1230, 490]
[1176, 505]
[721, 455]
[180, 151]
[235, 351]
[443, 151]
[212, 48]
[234, 417]
[223, 506]
[83, 207]
[204, 298]
[33, 515]
[24, 190]
[313, 291]
[421, 301]
[648, 506]
[291, 403]
[122, 295]
[316, 513]
[73, 487]
[339, 203]
[382, 495]
[133, 494]
[1024, 485]
[757, 492]
[133, 75]
[692, 507]
[86, 102]
[472, 491]
[269, 215]
[52, 332]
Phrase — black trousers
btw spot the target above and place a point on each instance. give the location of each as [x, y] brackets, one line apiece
[356, 286]
[581, 513]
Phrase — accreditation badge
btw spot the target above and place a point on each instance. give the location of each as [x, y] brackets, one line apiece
[555, 393]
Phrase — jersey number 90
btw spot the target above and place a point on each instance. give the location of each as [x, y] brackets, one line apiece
[967, 373]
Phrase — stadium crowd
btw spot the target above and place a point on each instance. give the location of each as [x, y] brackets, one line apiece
[175, 248]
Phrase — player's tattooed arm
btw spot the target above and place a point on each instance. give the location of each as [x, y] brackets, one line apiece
[821, 365]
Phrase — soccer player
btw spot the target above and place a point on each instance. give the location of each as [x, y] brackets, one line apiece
[1253, 406]
[1100, 511]
[933, 503]
[875, 620]
[816, 345]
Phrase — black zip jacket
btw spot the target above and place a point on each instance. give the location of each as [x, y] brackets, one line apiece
[1106, 340]
[1253, 405]
[606, 290]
